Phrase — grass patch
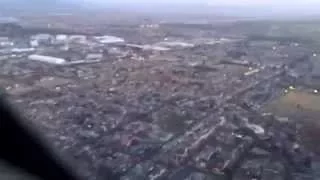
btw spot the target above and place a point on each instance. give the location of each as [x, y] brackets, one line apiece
[296, 104]
[305, 109]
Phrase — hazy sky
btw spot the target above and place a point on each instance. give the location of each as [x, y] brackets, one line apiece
[226, 7]
[263, 2]
[222, 2]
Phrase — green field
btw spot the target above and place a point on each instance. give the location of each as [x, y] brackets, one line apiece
[293, 103]
[305, 109]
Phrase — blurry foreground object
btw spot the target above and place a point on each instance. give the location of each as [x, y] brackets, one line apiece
[23, 155]
[9, 172]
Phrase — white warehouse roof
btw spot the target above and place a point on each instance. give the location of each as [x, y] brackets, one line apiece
[109, 39]
[47, 59]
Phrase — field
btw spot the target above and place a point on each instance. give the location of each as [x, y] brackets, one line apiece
[305, 108]
[295, 103]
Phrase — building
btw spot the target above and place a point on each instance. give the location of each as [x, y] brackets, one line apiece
[42, 39]
[94, 56]
[109, 39]
[6, 43]
[34, 43]
[147, 47]
[175, 44]
[22, 50]
[78, 39]
[47, 59]
[61, 37]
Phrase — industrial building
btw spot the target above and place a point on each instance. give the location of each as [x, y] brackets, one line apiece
[47, 59]
[109, 39]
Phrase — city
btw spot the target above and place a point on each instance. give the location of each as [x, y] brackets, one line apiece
[161, 100]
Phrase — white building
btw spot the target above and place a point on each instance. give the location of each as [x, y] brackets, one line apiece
[34, 43]
[61, 37]
[109, 39]
[175, 44]
[47, 59]
[6, 44]
[22, 50]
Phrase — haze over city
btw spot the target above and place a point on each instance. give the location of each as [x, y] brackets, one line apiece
[242, 8]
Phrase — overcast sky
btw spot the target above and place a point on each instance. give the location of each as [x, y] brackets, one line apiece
[226, 7]
[222, 2]
[263, 2]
